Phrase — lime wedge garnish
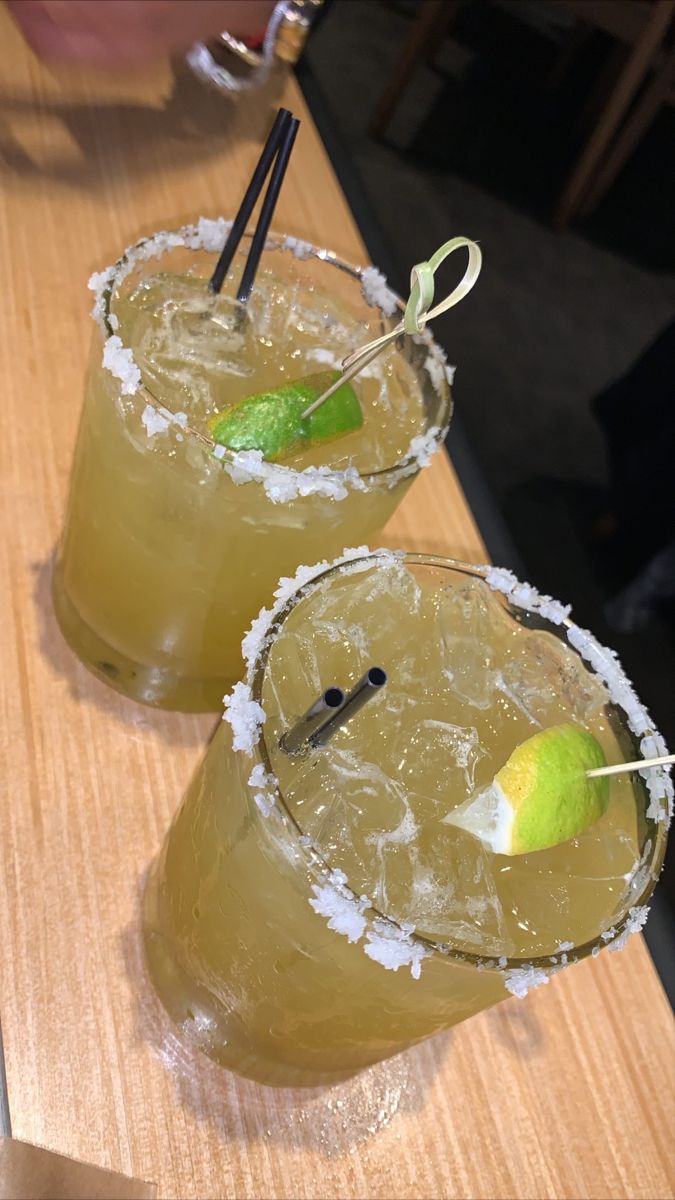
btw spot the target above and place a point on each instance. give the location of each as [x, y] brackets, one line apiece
[272, 421]
[541, 796]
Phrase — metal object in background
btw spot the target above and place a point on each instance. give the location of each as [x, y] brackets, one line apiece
[229, 65]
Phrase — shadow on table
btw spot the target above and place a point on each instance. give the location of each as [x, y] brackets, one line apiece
[335, 1121]
[189, 126]
[138, 720]
[514, 1027]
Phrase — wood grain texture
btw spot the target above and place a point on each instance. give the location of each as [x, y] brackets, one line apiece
[564, 1095]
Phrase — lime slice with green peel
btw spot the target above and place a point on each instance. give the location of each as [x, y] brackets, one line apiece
[542, 795]
[273, 422]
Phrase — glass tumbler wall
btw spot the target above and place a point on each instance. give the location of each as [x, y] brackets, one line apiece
[270, 940]
[168, 551]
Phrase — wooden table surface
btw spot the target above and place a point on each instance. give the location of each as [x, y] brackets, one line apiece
[566, 1094]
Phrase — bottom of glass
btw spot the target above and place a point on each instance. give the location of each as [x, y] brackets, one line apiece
[193, 1010]
[160, 687]
[207, 1025]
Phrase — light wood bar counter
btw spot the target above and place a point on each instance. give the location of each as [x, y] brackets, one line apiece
[566, 1094]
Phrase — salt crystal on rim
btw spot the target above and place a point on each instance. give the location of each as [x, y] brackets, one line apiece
[524, 595]
[254, 637]
[636, 919]
[245, 716]
[436, 364]
[376, 291]
[393, 948]
[282, 484]
[120, 362]
[520, 980]
[343, 910]
[154, 421]
[660, 789]
[435, 370]
[264, 786]
[297, 247]
[98, 283]
[211, 234]
[424, 446]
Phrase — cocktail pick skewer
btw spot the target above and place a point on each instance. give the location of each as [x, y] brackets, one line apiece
[278, 145]
[320, 712]
[620, 768]
[417, 310]
[331, 711]
[367, 687]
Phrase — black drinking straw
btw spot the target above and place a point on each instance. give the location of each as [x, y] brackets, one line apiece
[277, 143]
[267, 210]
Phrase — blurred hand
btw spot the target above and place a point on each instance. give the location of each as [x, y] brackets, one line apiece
[119, 32]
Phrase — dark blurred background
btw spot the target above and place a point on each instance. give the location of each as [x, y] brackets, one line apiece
[545, 130]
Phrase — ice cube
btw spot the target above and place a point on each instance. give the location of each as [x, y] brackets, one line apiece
[393, 586]
[548, 682]
[294, 676]
[358, 817]
[470, 620]
[436, 761]
[454, 896]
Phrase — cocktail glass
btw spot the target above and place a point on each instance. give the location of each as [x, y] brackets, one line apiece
[311, 915]
[168, 550]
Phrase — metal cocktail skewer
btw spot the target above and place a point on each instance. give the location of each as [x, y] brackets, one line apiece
[324, 718]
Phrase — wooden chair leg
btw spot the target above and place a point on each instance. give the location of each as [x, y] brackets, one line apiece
[432, 23]
[627, 84]
[655, 95]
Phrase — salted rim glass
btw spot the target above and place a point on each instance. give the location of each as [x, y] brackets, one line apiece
[416, 350]
[654, 830]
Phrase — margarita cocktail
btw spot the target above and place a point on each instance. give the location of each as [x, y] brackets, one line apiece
[313, 912]
[172, 541]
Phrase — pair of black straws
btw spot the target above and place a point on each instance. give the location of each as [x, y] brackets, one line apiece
[277, 147]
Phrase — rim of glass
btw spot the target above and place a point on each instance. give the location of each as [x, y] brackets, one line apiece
[117, 274]
[656, 830]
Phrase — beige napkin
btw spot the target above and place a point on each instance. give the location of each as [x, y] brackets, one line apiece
[31, 1173]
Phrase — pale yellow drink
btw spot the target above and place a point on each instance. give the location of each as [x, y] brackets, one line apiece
[168, 551]
[310, 915]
